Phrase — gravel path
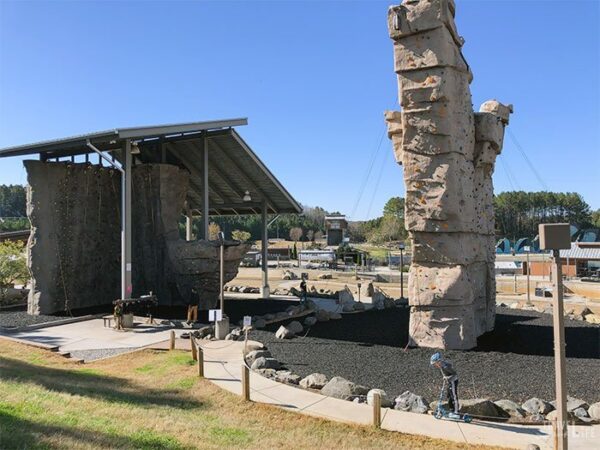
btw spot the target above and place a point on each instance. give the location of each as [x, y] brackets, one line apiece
[515, 361]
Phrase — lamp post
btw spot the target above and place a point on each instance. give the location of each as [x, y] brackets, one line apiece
[527, 249]
[401, 247]
[221, 326]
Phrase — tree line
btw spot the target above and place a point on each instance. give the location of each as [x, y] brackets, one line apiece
[517, 213]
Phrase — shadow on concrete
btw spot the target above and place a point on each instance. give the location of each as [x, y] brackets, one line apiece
[107, 388]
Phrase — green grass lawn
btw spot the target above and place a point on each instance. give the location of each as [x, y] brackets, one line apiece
[152, 400]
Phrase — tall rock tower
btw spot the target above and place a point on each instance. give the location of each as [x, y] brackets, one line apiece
[448, 153]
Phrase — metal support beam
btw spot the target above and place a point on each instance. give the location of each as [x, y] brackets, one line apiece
[188, 225]
[205, 201]
[127, 288]
[265, 290]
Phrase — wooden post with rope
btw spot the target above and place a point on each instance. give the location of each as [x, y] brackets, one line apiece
[200, 362]
[376, 410]
[245, 382]
[172, 340]
[193, 348]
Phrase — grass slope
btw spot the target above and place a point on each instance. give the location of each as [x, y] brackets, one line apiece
[152, 400]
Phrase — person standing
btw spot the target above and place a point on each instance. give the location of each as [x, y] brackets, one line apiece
[192, 312]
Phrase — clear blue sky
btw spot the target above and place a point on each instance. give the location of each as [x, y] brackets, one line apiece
[312, 77]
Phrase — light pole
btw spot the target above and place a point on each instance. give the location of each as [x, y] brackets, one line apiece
[221, 326]
[527, 249]
[556, 236]
[401, 247]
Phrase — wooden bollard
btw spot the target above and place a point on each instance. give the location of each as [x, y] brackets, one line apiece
[172, 340]
[246, 382]
[200, 362]
[194, 349]
[376, 410]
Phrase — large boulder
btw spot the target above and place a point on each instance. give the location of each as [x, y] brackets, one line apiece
[295, 327]
[265, 363]
[378, 300]
[310, 321]
[482, 407]
[254, 355]
[385, 400]
[537, 406]
[259, 323]
[575, 403]
[359, 306]
[325, 276]
[345, 296]
[322, 315]
[407, 401]
[594, 411]
[335, 315]
[314, 381]
[341, 388]
[284, 333]
[285, 376]
[511, 408]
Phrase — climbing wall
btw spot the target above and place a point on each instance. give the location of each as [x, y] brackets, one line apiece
[74, 249]
[448, 154]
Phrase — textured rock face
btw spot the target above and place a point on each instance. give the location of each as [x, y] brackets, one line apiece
[75, 244]
[448, 154]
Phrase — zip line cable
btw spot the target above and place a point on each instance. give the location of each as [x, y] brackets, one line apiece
[511, 178]
[383, 161]
[531, 166]
[368, 172]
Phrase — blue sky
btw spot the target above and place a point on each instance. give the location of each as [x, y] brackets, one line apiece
[313, 78]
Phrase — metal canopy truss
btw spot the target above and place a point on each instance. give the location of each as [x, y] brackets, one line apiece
[233, 168]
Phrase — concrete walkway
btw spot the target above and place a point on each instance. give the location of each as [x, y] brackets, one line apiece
[92, 335]
[223, 367]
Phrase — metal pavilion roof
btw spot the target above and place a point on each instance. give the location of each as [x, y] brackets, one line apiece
[582, 250]
[233, 168]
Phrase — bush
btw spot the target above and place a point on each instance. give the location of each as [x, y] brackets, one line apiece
[13, 266]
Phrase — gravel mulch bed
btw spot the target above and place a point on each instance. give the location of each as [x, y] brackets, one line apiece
[515, 361]
[94, 354]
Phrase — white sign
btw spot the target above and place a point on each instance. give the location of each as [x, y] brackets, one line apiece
[128, 267]
[527, 248]
[247, 321]
[215, 315]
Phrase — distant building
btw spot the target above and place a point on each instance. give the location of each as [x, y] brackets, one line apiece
[336, 229]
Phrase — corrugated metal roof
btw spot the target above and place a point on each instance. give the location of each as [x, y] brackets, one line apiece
[233, 168]
[578, 251]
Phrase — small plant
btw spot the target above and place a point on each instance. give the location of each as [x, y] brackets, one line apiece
[240, 235]
[13, 266]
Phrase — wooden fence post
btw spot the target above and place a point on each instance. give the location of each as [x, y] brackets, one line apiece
[194, 349]
[172, 340]
[376, 410]
[246, 382]
[200, 362]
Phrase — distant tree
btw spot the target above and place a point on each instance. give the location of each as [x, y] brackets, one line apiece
[295, 251]
[596, 218]
[519, 213]
[296, 234]
[240, 235]
[213, 231]
[318, 235]
[394, 208]
[310, 235]
[13, 266]
[12, 200]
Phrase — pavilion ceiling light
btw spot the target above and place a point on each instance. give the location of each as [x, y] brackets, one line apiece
[135, 150]
[247, 197]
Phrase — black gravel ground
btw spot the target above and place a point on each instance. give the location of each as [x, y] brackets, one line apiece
[235, 308]
[515, 361]
[18, 317]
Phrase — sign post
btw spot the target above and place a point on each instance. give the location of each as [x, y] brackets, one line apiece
[527, 249]
[554, 237]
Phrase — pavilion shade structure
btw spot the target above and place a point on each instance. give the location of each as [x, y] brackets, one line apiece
[233, 168]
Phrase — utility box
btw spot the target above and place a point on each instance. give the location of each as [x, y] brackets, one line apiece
[554, 236]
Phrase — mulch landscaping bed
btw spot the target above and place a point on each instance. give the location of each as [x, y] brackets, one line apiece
[515, 361]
